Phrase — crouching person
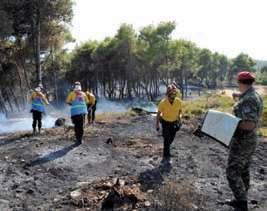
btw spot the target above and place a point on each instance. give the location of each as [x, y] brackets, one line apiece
[169, 115]
[78, 102]
[38, 108]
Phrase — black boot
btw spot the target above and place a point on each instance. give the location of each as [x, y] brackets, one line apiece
[242, 206]
[78, 141]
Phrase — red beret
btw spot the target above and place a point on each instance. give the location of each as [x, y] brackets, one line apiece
[245, 75]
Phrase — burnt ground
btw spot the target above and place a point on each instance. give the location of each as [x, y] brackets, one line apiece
[39, 173]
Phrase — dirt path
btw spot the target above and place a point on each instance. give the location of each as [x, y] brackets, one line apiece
[37, 173]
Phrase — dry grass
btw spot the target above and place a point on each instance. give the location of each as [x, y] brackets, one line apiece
[220, 102]
[111, 116]
[214, 101]
[182, 197]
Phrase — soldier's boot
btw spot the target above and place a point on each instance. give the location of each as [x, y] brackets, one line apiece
[242, 206]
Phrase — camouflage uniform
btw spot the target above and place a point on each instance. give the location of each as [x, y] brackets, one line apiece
[248, 108]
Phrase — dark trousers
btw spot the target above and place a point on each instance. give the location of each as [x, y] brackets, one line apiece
[78, 121]
[239, 160]
[91, 113]
[37, 118]
[169, 131]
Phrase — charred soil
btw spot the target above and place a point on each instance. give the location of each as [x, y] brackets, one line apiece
[118, 167]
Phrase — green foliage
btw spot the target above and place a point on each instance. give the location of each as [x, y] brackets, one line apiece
[18, 45]
[241, 62]
[262, 76]
[132, 64]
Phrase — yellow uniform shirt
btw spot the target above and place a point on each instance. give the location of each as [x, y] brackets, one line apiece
[170, 112]
[72, 96]
[35, 94]
[91, 98]
[178, 94]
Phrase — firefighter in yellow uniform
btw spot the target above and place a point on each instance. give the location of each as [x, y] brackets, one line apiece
[169, 115]
[38, 108]
[91, 107]
[78, 102]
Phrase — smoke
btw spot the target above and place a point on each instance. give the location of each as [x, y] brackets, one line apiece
[23, 121]
[105, 105]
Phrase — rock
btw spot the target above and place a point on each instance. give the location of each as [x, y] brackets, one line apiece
[15, 186]
[147, 204]
[139, 111]
[109, 141]
[121, 182]
[60, 122]
[30, 191]
[76, 196]
[82, 184]
[155, 158]
[254, 202]
[4, 204]
[195, 207]
[56, 200]
[262, 171]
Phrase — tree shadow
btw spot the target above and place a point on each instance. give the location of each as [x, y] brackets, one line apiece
[52, 156]
[153, 178]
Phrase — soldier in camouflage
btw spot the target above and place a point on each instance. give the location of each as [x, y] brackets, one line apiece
[248, 109]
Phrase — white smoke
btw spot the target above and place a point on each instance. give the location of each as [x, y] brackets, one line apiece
[105, 105]
[23, 121]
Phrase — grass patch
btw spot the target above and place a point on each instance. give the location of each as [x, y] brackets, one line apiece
[219, 102]
[210, 101]
[109, 116]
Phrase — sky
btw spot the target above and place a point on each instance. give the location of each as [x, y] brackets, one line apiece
[226, 26]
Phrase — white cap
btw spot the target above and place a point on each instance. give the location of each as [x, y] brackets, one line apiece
[38, 89]
[78, 88]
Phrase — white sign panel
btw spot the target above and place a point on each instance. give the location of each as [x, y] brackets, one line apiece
[220, 125]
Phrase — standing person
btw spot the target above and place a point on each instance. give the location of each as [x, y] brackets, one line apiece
[248, 109]
[38, 107]
[169, 114]
[78, 102]
[91, 107]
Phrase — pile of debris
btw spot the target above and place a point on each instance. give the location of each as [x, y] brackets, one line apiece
[110, 194]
